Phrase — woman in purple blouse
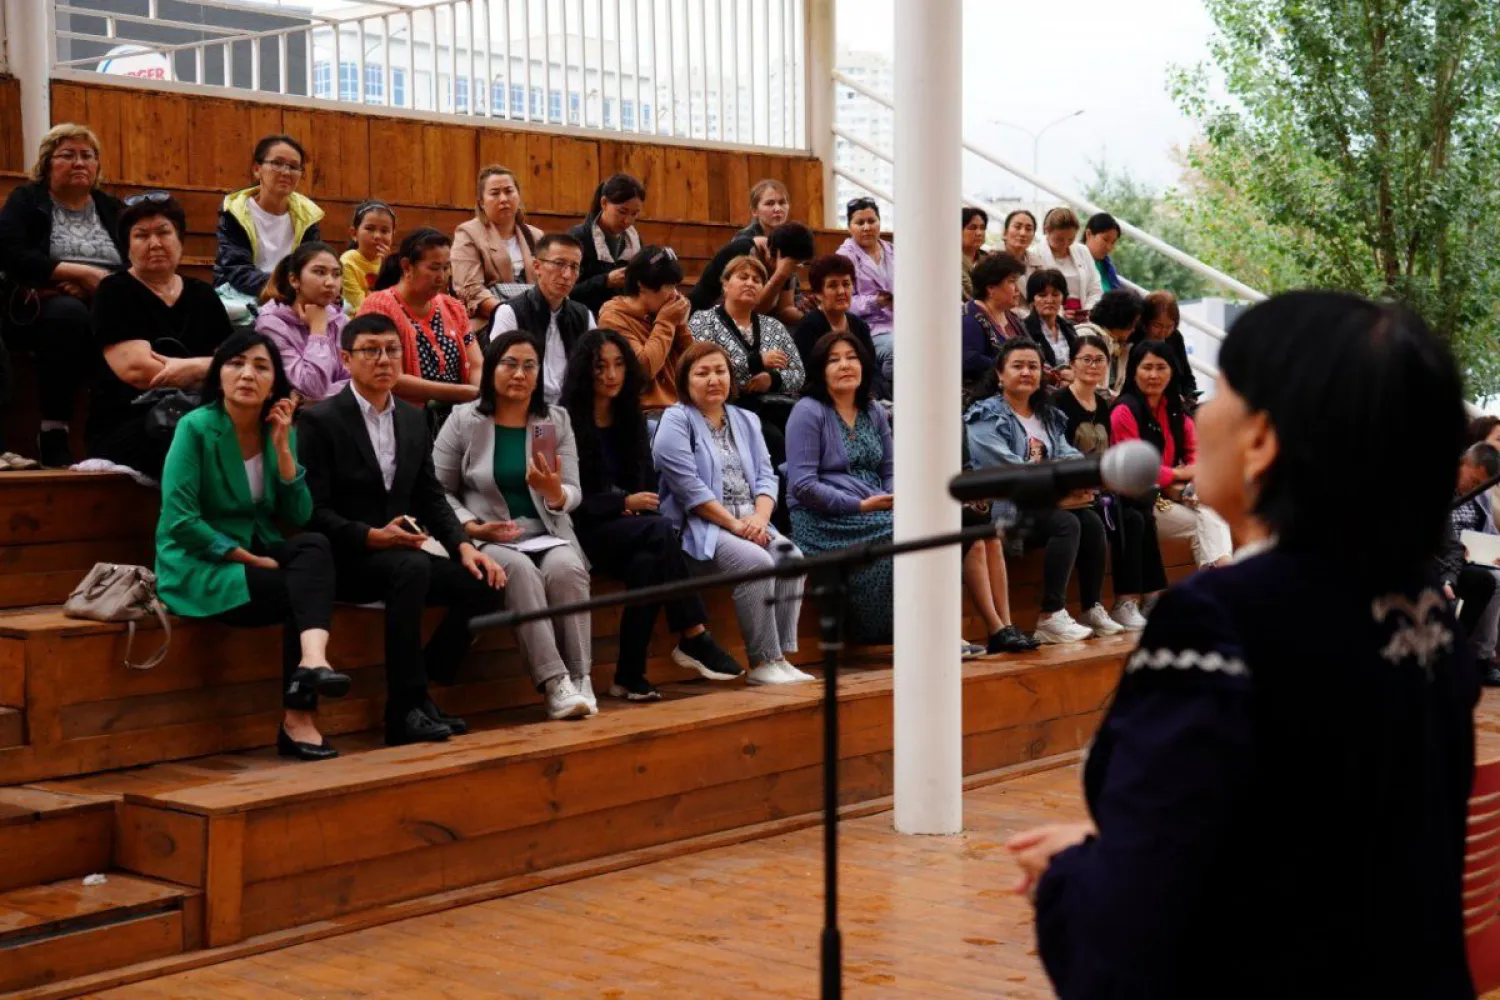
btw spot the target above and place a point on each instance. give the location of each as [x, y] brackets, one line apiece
[874, 279]
[302, 318]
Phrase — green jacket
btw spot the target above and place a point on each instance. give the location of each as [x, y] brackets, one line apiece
[206, 512]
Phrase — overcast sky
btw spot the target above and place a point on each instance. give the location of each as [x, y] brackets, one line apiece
[1030, 62]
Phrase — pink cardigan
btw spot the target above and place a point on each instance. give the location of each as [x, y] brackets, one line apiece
[1122, 428]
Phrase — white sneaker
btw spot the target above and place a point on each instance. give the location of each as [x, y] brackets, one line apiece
[564, 700]
[1098, 619]
[585, 686]
[1128, 616]
[1059, 627]
[768, 673]
[793, 675]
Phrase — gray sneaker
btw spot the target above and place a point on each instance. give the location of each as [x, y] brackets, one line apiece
[564, 700]
[585, 686]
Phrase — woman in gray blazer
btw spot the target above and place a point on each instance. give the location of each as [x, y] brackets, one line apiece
[514, 505]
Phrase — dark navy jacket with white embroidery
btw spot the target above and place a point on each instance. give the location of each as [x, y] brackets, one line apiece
[1280, 788]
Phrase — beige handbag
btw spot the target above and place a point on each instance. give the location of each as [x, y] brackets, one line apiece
[117, 593]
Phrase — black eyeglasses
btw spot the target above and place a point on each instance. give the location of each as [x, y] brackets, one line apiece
[858, 204]
[148, 198]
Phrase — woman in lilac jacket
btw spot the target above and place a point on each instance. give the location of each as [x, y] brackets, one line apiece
[874, 279]
[302, 318]
[840, 475]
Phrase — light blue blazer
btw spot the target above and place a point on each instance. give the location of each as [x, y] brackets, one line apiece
[691, 475]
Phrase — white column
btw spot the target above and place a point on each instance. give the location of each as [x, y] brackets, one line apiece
[929, 694]
[28, 55]
[822, 58]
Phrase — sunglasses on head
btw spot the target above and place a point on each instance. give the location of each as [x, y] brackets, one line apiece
[148, 198]
[858, 204]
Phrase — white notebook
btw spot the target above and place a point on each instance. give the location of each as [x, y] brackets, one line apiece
[1481, 548]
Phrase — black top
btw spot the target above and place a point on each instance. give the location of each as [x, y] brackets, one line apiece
[125, 309]
[349, 494]
[815, 326]
[1088, 432]
[593, 288]
[710, 287]
[1281, 810]
[613, 462]
[1033, 327]
[26, 232]
[534, 315]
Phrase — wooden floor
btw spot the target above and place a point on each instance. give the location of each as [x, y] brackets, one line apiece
[924, 917]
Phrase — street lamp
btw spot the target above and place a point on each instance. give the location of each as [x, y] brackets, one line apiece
[1036, 139]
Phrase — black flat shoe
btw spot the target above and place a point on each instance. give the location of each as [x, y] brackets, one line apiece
[310, 683]
[457, 726]
[288, 747]
[415, 727]
[1491, 676]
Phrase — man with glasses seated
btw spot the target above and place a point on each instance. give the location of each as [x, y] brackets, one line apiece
[395, 539]
[545, 311]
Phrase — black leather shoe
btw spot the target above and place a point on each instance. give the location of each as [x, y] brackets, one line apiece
[1491, 676]
[331, 683]
[415, 727]
[455, 725]
[288, 747]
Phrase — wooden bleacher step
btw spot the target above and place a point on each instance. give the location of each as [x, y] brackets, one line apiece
[66, 929]
[48, 836]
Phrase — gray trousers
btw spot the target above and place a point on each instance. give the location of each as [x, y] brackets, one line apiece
[557, 646]
[1487, 632]
[767, 609]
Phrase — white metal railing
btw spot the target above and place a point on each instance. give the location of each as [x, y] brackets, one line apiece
[716, 71]
[1237, 288]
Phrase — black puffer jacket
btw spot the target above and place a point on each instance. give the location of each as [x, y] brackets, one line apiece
[26, 232]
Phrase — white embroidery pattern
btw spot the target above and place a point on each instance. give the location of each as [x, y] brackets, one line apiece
[1186, 659]
[1420, 637]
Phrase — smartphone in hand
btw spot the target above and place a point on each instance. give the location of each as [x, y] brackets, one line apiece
[544, 442]
[410, 525]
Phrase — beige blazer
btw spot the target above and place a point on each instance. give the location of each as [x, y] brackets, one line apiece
[481, 258]
[464, 459]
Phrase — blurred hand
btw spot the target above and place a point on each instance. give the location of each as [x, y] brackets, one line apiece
[637, 502]
[546, 481]
[316, 317]
[280, 422]
[481, 566]
[677, 311]
[499, 532]
[394, 536]
[882, 501]
[776, 360]
[1033, 850]
[760, 383]
[616, 278]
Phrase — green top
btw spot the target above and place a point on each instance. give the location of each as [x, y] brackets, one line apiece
[510, 471]
[207, 511]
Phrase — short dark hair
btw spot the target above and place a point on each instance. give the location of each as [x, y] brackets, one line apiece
[167, 208]
[1486, 456]
[1020, 211]
[793, 240]
[1101, 222]
[551, 240]
[263, 147]
[1043, 279]
[691, 357]
[994, 269]
[1041, 398]
[828, 266]
[1481, 427]
[234, 345]
[617, 189]
[376, 323]
[654, 268]
[279, 285]
[416, 243]
[971, 213]
[859, 205]
[1347, 383]
[1116, 310]
[815, 383]
[537, 407]
[1091, 340]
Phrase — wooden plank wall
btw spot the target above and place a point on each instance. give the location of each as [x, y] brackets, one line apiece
[171, 140]
[12, 155]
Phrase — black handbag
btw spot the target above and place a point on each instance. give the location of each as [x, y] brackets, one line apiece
[165, 408]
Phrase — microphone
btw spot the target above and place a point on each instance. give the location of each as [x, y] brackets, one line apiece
[1129, 468]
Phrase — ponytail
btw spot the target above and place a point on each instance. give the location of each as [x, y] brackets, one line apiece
[279, 287]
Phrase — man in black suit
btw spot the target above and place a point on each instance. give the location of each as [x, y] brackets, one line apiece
[368, 457]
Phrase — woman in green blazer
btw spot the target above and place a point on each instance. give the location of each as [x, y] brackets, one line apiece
[231, 471]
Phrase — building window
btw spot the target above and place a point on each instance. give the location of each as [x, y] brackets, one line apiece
[536, 102]
[497, 97]
[609, 112]
[461, 94]
[374, 84]
[627, 114]
[554, 105]
[398, 87]
[518, 102]
[323, 79]
[348, 81]
[575, 109]
[645, 117]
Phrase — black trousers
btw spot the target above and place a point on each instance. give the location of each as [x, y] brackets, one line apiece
[1072, 538]
[640, 551]
[1135, 549]
[408, 581]
[298, 594]
[127, 443]
[62, 339]
[1475, 587]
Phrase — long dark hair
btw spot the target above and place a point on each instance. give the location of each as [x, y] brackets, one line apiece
[816, 383]
[1133, 399]
[235, 345]
[618, 188]
[416, 243]
[492, 355]
[363, 209]
[279, 286]
[628, 425]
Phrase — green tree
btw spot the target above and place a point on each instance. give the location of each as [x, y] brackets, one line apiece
[1136, 202]
[1358, 151]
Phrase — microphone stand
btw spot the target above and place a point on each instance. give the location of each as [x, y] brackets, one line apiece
[830, 573]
